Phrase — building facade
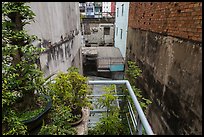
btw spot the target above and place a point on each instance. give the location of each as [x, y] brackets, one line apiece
[98, 9]
[106, 9]
[82, 7]
[165, 40]
[121, 26]
[98, 32]
[89, 9]
[57, 24]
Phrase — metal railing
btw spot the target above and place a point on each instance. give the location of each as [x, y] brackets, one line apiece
[139, 121]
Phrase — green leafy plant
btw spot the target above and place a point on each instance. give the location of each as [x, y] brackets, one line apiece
[21, 76]
[68, 92]
[59, 119]
[132, 72]
[110, 123]
[107, 100]
[70, 89]
[11, 124]
[29, 114]
[20, 70]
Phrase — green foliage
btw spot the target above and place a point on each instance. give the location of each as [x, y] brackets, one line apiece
[70, 89]
[8, 97]
[132, 73]
[68, 92]
[20, 74]
[11, 124]
[110, 123]
[60, 116]
[9, 8]
[107, 99]
[144, 103]
[19, 55]
[28, 114]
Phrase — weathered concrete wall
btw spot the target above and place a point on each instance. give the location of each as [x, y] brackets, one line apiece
[57, 24]
[93, 31]
[97, 37]
[109, 39]
[171, 78]
[96, 34]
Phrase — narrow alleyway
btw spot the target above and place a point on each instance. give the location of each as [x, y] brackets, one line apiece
[162, 40]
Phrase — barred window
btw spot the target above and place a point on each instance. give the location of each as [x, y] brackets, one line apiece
[106, 30]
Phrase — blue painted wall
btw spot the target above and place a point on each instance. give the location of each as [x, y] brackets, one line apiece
[117, 67]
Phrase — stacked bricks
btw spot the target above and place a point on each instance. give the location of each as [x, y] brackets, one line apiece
[179, 19]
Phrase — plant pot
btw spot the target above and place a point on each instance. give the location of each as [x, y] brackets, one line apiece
[37, 120]
[73, 124]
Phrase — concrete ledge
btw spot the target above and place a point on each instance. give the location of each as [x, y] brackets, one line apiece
[82, 129]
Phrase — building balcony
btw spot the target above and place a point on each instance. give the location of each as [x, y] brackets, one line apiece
[98, 4]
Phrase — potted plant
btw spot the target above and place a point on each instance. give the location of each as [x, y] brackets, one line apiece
[21, 76]
[56, 122]
[71, 89]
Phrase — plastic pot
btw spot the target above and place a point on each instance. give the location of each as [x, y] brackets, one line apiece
[37, 120]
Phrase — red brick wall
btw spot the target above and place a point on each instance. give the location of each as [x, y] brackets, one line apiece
[181, 19]
[112, 8]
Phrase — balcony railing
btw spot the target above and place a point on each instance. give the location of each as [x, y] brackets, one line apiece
[136, 115]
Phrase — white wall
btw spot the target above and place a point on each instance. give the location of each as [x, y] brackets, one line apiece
[55, 20]
[121, 22]
[106, 7]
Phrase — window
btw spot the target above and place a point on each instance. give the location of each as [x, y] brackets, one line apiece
[122, 8]
[106, 30]
[116, 31]
[121, 33]
[89, 9]
[117, 11]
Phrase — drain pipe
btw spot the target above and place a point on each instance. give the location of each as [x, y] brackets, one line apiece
[141, 114]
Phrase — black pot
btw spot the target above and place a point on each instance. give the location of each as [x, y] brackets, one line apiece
[37, 120]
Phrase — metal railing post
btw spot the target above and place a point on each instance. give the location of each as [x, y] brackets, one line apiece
[139, 109]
